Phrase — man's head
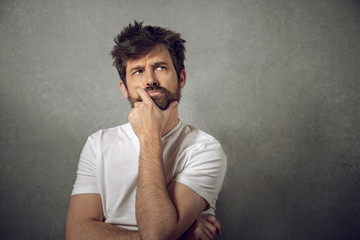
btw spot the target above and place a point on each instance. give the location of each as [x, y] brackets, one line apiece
[151, 58]
[137, 40]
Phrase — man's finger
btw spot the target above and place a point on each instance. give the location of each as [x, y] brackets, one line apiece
[214, 222]
[206, 231]
[136, 104]
[144, 96]
[211, 228]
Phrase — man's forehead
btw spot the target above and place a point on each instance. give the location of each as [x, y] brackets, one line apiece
[157, 54]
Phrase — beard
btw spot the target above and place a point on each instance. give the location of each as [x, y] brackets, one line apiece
[162, 101]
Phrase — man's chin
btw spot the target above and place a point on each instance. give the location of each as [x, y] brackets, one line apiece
[163, 105]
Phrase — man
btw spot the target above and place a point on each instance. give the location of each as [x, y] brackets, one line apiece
[155, 177]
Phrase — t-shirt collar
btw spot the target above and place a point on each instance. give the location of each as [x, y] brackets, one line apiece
[172, 131]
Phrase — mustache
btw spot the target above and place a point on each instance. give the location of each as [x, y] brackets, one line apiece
[155, 87]
[152, 88]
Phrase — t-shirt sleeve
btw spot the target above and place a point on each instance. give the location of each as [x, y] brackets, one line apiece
[204, 172]
[86, 181]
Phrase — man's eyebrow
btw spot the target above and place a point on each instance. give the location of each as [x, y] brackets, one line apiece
[136, 68]
[160, 63]
[156, 64]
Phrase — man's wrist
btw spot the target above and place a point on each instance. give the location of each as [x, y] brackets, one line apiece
[150, 140]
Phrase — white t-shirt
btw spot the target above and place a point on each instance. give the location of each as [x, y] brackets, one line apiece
[110, 159]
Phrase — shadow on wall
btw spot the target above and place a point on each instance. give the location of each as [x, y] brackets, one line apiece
[38, 166]
[284, 179]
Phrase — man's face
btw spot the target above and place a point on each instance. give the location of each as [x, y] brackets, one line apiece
[154, 72]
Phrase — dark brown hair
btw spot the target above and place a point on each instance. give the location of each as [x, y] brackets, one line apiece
[137, 40]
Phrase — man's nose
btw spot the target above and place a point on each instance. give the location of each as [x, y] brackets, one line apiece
[151, 78]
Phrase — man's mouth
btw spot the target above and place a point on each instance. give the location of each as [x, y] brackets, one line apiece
[154, 90]
[160, 96]
[153, 93]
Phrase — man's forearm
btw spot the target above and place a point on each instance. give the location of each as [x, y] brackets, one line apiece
[155, 213]
[93, 230]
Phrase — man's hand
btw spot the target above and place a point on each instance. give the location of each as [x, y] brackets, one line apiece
[147, 119]
[204, 228]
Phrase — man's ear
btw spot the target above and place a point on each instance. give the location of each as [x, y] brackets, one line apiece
[123, 89]
[182, 78]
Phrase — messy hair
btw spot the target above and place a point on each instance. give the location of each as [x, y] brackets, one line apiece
[137, 40]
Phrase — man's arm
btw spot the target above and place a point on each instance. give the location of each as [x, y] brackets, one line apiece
[85, 220]
[158, 215]
[163, 213]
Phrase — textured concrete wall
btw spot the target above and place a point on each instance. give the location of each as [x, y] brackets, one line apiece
[277, 82]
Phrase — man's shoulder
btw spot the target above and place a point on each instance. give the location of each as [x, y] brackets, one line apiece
[199, 134]
[196, 136]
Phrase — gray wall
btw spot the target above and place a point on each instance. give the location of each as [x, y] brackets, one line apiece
[277, 82]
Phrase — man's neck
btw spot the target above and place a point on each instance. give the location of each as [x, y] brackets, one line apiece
[172, 122]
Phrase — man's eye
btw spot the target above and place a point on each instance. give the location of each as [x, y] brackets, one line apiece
[160, 68]
[137, 72]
